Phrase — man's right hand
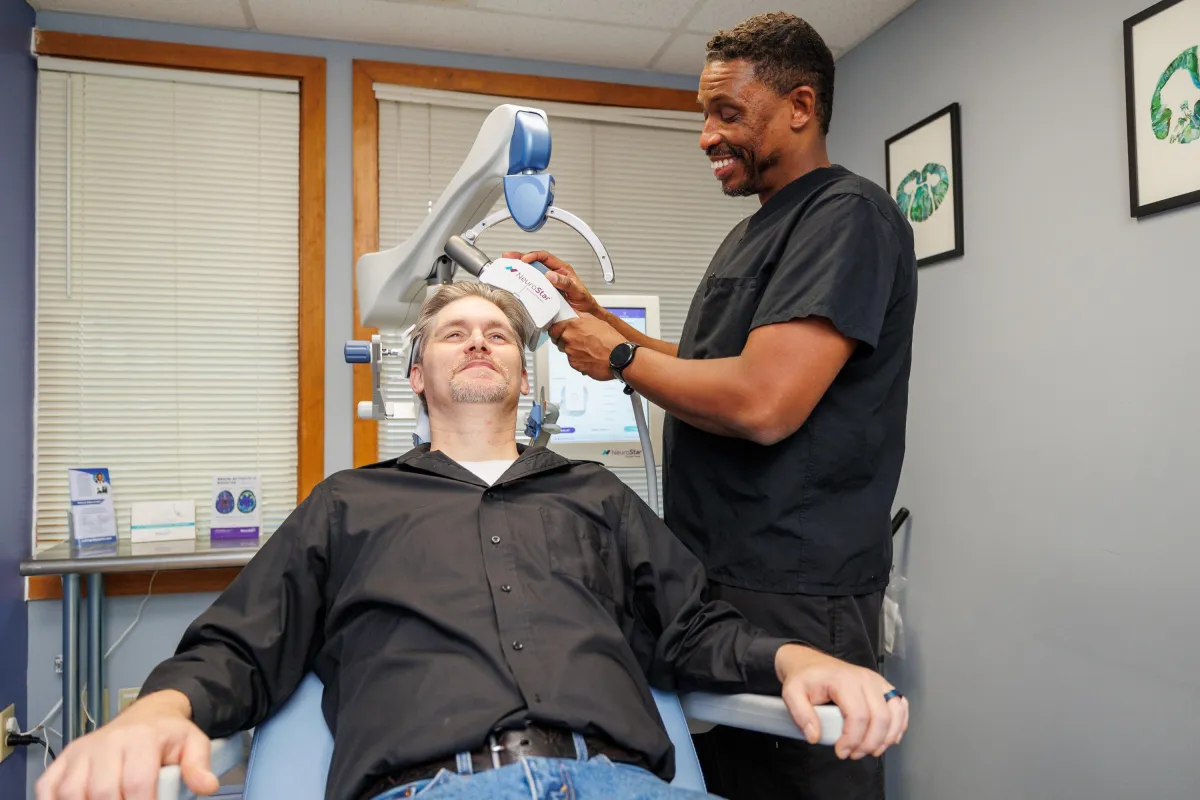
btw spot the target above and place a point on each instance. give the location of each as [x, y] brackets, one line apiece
[565, 279]
[122, 759]
[872, 723]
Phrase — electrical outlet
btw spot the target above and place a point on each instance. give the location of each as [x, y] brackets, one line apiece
[126, 696]
[6, 715]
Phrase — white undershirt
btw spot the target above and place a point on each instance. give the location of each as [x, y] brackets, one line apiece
[488, 471]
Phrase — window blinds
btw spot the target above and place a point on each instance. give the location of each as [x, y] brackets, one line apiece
[167, 287]
[642, 184]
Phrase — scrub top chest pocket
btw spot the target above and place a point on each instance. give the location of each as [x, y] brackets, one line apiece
[725, 314]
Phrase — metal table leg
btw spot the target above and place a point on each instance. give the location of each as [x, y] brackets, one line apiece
[95, 649]
[70, 673]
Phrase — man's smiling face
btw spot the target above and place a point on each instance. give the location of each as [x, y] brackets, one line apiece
[746, 127]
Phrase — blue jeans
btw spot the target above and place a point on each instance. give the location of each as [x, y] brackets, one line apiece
[547, 779]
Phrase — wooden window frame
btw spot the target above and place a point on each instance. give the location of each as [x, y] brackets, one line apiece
[310, 72]
[366, 159]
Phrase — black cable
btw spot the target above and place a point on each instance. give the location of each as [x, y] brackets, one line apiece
[25, 740]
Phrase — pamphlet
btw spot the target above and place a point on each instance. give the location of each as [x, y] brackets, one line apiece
[237, 507]
[92, 519]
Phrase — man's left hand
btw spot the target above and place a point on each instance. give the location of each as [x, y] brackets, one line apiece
[872, 724]
[588, 342]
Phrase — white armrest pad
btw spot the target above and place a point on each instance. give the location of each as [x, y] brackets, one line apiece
[226, 754]
[761, 713]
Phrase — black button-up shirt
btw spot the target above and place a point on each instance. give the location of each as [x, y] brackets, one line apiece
[809, 514]
[436, 609]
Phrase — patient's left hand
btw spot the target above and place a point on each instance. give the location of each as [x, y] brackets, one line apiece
[811, 678]
[587, 342]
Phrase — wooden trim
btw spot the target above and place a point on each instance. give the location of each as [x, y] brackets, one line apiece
[125, 584]
[366, 158]
[528, 87]
[180, 56]
[310, 72]
[365, 177]
[310, 418]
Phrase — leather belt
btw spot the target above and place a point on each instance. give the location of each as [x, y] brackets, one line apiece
[508, 747]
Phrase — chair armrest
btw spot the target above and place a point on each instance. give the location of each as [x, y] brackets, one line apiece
[225, 754]
[754, 712]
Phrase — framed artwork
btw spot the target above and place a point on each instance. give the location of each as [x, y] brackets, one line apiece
[924, 177]
[1162, 106]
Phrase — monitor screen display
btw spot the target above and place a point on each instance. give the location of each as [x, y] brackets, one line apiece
[588, 410]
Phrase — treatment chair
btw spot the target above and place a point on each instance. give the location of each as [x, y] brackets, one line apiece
[290, 752]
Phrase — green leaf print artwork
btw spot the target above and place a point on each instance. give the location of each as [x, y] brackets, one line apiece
[921, 193]
[1187, 126]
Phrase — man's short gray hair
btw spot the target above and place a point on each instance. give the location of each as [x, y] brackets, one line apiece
[518, 318]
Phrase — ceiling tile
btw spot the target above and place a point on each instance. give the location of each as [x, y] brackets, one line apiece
[841, 23]
[460, 30]
[209, 13]
[685, 56]
[634, 13]
[608, 33]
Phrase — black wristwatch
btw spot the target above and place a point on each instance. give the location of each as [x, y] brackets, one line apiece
[620, 358]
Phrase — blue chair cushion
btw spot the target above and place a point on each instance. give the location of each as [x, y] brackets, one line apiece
[290, 752]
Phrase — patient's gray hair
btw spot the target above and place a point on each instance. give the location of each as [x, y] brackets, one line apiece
[518, 318]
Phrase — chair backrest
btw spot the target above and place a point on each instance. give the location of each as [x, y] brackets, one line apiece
[290, 753]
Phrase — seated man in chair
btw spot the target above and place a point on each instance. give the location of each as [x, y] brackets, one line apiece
[487, 619]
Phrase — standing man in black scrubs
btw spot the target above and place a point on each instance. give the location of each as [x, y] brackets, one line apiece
[787, 394]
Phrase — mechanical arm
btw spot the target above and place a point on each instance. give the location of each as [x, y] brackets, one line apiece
[509, 157]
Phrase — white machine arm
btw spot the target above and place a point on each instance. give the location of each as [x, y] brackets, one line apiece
[509, 155]
[391, 284]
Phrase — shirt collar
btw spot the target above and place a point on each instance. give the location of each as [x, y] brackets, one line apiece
[530, 461]
[792, 193]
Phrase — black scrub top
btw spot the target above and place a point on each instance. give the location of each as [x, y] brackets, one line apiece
[810, 514]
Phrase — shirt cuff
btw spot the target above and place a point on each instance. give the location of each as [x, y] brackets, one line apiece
[761, 677]
[202, 705]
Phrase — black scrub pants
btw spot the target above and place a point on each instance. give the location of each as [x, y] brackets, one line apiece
[745, 765]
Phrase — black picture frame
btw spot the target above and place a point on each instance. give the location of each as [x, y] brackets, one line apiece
[953, 111]
[1138, 209]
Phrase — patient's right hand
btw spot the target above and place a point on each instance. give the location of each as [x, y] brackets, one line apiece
[121, 760]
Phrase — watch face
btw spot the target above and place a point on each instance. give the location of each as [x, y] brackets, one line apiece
[622, 354]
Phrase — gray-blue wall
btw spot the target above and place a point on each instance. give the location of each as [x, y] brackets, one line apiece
[165, 617]
[18, 87]
[1054, 448]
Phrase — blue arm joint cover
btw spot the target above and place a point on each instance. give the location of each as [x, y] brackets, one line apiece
[527, 190]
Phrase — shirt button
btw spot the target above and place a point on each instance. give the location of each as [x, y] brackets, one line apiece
[490, 495]
[518, 646]
[506, 588]
[495, 540]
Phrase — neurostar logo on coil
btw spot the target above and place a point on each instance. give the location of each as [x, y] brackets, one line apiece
[521, 277]
[628, 452]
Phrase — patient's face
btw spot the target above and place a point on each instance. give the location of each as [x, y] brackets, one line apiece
[472, 356]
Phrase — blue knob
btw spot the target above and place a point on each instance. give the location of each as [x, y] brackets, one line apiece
[357, 352]
[542, 268]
